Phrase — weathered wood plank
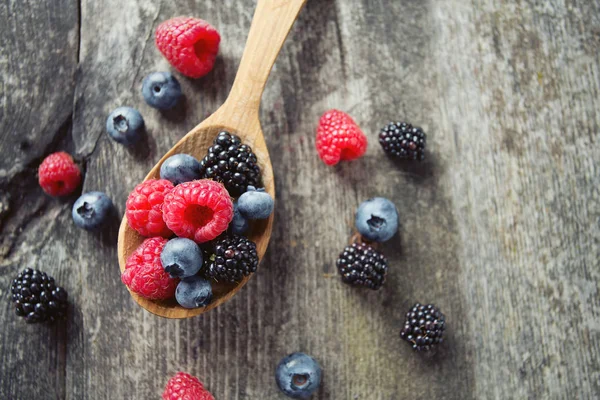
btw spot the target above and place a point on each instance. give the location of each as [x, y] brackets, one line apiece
[38, 58]
[500, 226]
[518, 89]
[350, 338]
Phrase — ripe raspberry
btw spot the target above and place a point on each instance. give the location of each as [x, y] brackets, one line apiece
[144, 207]
[198, 210]
[58, 174]
[185, 387]
[339, 138]
[144, 273]
[189, 44]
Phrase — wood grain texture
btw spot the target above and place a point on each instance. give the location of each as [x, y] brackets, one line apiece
[500, 225]
[37, 80]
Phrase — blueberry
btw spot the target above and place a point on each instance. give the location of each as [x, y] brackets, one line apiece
[180, 168]
[125, 125]
[91, 210]
[181, 258]
[194, 292]
[239, 224]
[161, 90]
[377, 219]
[256, 203]
[298, 375]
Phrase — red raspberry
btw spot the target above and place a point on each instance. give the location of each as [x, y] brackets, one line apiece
[144, 207]
[144, 273]
[198, 210]
[185, 387]
[339, 138]
[58, 174]
[189, 44]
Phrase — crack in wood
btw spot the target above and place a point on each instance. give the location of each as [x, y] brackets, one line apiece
[22, 198]
[78, 30]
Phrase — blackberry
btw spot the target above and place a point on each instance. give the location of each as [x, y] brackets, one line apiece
[424, 327]
[37, 298]
[402, 140]
[361, 265]
[232, 163]
[231, 259]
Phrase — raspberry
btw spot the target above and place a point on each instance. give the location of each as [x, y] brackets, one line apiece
[144, 273]
[59, 175]
[185, 387]
[198, 210]
[339, 138]
[189, 44]
[144, 208]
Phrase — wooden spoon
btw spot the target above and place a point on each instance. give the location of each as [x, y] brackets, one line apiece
[271, 24]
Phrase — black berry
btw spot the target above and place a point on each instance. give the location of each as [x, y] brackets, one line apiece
[231, 258]
[360, 265]
[232, 163]
[424, 327]
[37, 298]
[402, 140]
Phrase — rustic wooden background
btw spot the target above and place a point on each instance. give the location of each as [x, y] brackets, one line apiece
[500, 226]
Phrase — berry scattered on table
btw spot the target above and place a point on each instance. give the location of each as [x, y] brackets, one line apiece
[361, 265]
[339, 138]
[298, 375]
[239, 224]
[58, 175]
[144, 273]
[194, 292]
[180, 168]
[161, 90]
[424, 327]
[402, 140]
[377, 219]
[181, 258]
[191, 45]
[91, 210]
[37, 298]
[232, 163]
[144, 207]
[125, 125]
[231, 258]
[185, 387]
[256, 204]
[198, 210]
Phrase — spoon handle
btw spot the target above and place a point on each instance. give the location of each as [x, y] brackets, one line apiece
[271, 24]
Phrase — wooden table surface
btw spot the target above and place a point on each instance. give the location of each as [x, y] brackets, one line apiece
[500, 226]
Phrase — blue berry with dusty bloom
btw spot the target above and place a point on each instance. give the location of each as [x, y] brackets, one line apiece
[298, 375]
[91, 210]
[194, 292]
[161, 90]
[377, 219]
[125, 125]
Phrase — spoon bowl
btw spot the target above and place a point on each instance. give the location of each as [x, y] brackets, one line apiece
[239, 115]
[196, 143]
